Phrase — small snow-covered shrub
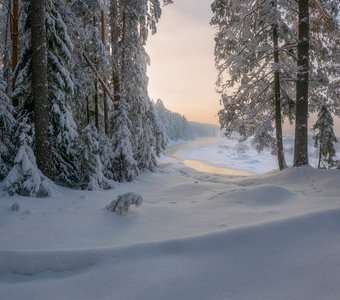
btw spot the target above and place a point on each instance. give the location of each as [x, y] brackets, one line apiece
[16, 206]
[122, 203]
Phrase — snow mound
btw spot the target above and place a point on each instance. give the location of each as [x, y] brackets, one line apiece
[261, 195]
[30, 263]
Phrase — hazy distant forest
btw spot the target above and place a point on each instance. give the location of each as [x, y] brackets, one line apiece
[74, 97]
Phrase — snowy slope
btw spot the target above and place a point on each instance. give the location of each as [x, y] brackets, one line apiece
[197, 236]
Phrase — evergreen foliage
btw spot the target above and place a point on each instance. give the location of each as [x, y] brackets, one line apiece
[24, 177]
[123, 162]
[177, 127]
[245, 56]
[92, 170]
[324, 138]
[63, 129]
[6, 126]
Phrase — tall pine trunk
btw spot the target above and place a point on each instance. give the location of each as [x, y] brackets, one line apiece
[15, 35]
[105, 97]
[96, 102]
[8, 29]
[277, 97]
[43, 150]
[301, 124]
[96, 105]
[115, 63]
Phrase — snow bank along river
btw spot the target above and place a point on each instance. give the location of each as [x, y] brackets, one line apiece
[221, 156]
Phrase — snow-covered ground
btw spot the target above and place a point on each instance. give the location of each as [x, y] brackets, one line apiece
[198, 235]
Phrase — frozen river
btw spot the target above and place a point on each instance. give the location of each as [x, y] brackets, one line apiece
[223, 156]
[179, 152]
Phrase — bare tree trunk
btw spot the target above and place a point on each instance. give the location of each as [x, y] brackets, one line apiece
[116, 89]
[15, 35]
[8, 27]
[105, 97]
[96, 105]
[116, 63]
[96, 102]
[301, 123]
[43, 151]
[277, 96]
[320, 147]
[87, 110]
[101, 81]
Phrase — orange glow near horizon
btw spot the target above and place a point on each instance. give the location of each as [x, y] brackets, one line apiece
[182, 71]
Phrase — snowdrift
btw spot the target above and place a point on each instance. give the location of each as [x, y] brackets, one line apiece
[298, 258]
[197, 236]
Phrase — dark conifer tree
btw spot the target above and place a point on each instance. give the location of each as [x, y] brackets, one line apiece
[325, 138]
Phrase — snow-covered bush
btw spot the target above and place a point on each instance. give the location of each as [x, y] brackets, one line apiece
[122, 203]
[25, 178]
[16, 206]
[92, 170]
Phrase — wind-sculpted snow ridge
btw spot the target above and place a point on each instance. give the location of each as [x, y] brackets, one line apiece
[31, 263]
[297, 258]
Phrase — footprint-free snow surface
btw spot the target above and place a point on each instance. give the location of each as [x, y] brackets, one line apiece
[198, 235]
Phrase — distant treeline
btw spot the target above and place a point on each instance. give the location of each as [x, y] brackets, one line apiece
[178, 127]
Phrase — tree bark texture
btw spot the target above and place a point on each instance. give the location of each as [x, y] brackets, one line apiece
[96, 102]
[105, 96]
[277, 97]
[15, 35]
[116, 64]
[96, 105]
[301, 123]
[40, 87]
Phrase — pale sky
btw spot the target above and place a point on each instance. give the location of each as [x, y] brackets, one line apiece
[182, 71]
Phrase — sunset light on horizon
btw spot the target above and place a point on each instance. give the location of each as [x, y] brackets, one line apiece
[182, 71]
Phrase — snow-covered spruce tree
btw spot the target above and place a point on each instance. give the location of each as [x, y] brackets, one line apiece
[254, 71]
[150, 136]
[6, 46]
[83, 78]
[93, 27]
[176, 126]
[324, 56]
[91, 167]
[316, 27]
[24, 177]
[63, 129]
[6, 127]
[132, 23]
[325, 138]
[124, 165]
[82, 18]
[159, 131]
